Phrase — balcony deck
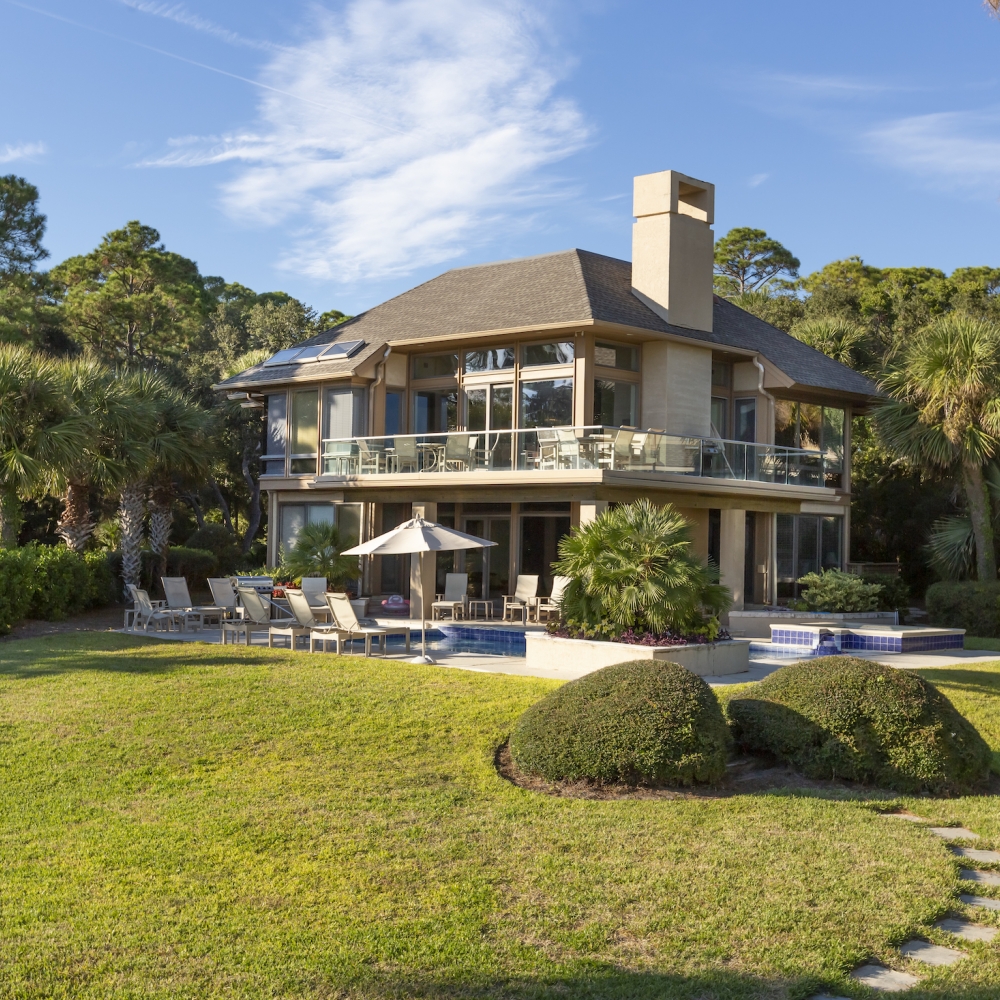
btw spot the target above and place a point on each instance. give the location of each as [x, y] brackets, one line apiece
[570, 454]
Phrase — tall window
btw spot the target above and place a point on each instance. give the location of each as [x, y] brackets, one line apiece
[435, 411]
[616, 356]
[547, 403]
[344, 413]
[615, 403]
[277, 430]
[305, 431]
[745, 419]
[393, 413]
[817, 428]
[720, 416]
[560, 353]
[806, 543]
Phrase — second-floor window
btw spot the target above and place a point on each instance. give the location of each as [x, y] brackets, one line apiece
[277, 429]
[304, 432]
[615, 403]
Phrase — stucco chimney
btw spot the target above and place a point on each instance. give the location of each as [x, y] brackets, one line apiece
[672, 243]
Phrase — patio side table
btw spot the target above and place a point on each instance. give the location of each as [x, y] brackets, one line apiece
[487, 607]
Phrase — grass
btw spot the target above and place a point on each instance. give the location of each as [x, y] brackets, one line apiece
[179, 820]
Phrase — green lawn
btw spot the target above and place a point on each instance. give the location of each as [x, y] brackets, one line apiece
[188, 821]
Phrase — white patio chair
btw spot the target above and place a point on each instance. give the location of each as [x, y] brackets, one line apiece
[175, 590]
[298, 604]
[130, 613]
[314, 587]
[458, 450]
[548, 448]
[345, 618]
[145, 614]
[455, 597]
[405, 455]
[256, 612]
[524, 591]
[224, 595]
[547, 607]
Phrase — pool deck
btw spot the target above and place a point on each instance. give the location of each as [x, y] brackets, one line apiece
[759, 667]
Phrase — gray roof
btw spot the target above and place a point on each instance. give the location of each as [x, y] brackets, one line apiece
[572, 286]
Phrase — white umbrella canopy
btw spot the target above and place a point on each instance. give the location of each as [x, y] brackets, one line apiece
[417, 536]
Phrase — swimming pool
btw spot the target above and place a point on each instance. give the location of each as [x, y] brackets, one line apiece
[483, 641]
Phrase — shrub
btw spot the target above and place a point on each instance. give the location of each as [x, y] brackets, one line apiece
[221, 542]
[833, 590]
[843, 717]
[968, 604]
[641, 721]
[102, 581]
[633, 568]
[61, 581]
[895, 595]
[16, 585]
[196, 565]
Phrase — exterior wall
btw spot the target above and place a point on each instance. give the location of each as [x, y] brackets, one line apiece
[732, 554]
[676, 388]
[697, 517]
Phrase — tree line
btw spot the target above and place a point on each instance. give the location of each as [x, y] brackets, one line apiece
[926, 461]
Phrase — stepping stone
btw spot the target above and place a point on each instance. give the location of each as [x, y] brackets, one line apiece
[953, 833]
[878, 977]
[983, 901]
[983, 878]
[973, 855]
[966, 931]
[932, 954]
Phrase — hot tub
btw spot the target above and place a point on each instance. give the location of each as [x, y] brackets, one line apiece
[822, 639]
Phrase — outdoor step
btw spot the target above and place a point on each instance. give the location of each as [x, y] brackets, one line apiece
[878, 977]
[967, 931]
[987, 857]
[932, 954]
[983, 878]
[953, 833]
[983, 901]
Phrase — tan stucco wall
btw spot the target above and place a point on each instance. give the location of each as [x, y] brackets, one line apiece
[698, 519]
[676, 388]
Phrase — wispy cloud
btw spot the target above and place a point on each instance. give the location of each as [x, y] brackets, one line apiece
[397, 133]
[22, 151]
[757, 180]
[818, 85]
[962, 147]
[179, 14]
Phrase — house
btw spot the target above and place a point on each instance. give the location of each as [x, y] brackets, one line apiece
[516, 399]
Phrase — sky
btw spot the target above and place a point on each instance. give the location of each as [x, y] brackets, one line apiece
[346, 151]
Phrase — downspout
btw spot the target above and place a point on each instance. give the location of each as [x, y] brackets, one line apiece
[771, 579]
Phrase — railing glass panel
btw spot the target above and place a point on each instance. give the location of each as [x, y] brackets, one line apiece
[553, 449]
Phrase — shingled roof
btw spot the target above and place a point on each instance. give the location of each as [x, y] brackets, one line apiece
[565, 288]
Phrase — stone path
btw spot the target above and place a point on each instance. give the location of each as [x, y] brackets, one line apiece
[886, 980]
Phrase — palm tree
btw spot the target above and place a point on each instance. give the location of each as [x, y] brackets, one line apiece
[38, 431]
[117, 418]
[316, 552]
[944, 412]
[840, 339]
[633, 567]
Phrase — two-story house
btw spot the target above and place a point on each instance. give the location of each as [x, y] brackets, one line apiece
[517, 399]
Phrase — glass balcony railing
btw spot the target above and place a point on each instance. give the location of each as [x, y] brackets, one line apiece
[554, 449]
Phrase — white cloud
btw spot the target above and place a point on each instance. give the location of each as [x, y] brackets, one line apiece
[22, 151]
[179, 14]
[397, 133]
[816, 85]
[962, 147]
[757, 180]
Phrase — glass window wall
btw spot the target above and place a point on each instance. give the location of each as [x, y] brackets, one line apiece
[489, 360]
[435, 411]
[393, 413]
[806, 543]
[305, 431]
[745, 419]
[616, 356]
[820, 428]
[561, 353]
[435, 366]
[546, 403]
[615, 403]
[720, 414]
[277, 430]
[344, 413]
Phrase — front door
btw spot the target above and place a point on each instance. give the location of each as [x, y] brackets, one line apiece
[489, 569]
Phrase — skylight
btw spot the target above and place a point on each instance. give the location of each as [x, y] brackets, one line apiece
[315, 352]
[310, 353]
[282, 357]
[343, 349]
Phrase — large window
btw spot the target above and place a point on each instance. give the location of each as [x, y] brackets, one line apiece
[720, 417]
[305, 431]
[489, 360]
[435, 411]
[277, 430]
[745, 419]
[293, 517]
[435, 366]
[561, 353]
[816, 428]
[806, 543]
[344, 413]
[616, 356]
[615, 403]
[547, 404]
[393, 413]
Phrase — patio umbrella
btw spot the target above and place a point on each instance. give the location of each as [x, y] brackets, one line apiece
[417, 536]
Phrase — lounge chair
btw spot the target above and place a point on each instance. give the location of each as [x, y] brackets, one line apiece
[301, 609]
[455, 597]
[524, 592]
[256, 612]
[175, 590]
[546, 608]
[145, 614]
[224, 595]
[346, 619]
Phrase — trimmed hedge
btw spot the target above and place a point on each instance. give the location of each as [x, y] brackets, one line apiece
[642, 721]
[50, 582]
[967, 604]
[843, 717]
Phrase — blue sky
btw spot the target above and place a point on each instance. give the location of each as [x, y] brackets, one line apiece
[347, 151]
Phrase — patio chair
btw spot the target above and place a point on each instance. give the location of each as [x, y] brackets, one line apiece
[548, 448]
[346, 619]
[546, 608]
[622, 449]
[224, 595]
[369, 460]
[569, 448]
[256, 612]
[145, 614]
[405, 455]
[458, 451]
[455, 597]
[524, 591]
[300, 607]
[175, 590]
[314, 587]
[130, 613]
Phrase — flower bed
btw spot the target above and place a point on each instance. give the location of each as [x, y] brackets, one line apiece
[634, 637]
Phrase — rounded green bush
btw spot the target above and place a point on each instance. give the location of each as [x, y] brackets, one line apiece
[843, 717]
[642, 721]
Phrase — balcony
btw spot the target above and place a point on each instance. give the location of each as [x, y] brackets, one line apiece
[557, 449]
